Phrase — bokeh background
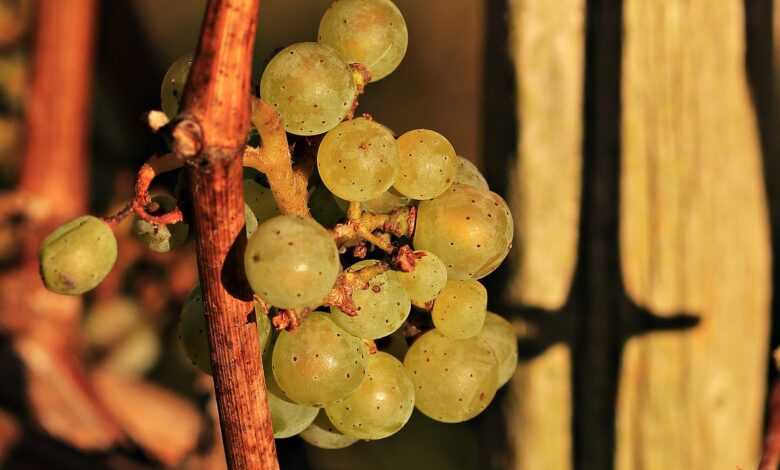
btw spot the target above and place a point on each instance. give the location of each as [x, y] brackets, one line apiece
[636, 142]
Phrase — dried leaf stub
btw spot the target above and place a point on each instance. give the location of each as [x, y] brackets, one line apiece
[163, 424]
[61, 399]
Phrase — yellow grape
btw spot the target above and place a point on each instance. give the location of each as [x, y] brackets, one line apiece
[500, 336]
[460, 308]
[428, 164]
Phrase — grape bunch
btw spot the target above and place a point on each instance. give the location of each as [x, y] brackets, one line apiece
[376, 298]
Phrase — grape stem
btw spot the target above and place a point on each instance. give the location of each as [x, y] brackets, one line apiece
[274, 159]
[362, 226]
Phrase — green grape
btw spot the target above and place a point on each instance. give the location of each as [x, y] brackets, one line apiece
[358, 159]
[469, 229]
[500, 336]
[77, 256]
[428, 164]
[310, 87]
[291, 262]
[469, 175]
[289, 419]
[318, 362]
[455, 379]
[380, 406]
[161, 238]
[368, 32]
[107, 321]
[250, 221]
[460, 308]
[427, 279]
[386, 202]
[325, 207]
[173, 83]
[193, 330]
[323, 434]
[382, 306]
[261, 200]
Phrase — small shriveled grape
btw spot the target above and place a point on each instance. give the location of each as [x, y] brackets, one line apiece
[318, 363]
[381, 307]
[426, 280]
[77, 256]
[368, 32]
[310, 87]
[455, 379]
[380, 406]
[428, 164]
[173, 83]
[358, 159]
[469, 229]
[460, 308]
[161, 238]
[291, 262]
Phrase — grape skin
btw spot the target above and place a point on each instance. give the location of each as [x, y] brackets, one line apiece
[289, 419]
[428, 164]
[77, 256]
[455, 379]
[291, 262]
[368, 32]
[318, 362]
[358, 160]
[323, 434]
[193, 330]
[260, 200]
[469, 175]
[380, 406]
[426, 280]
[500, 336]
[172, 86]
[460, 308]
[310, 87]
[382, 307]
[469, 229]
[386, 202]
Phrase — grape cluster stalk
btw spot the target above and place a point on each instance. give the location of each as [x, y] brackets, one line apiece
[364, 250]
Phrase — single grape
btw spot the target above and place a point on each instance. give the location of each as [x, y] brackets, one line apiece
[368, 32]
[380, 406]
[291, 262]
[107, 321]
[161, 238]
[318, 362]
[289, 419]
[426, 280]
[261, 200]
[325, 207]
[500, 336]
[310, 87]
[460, 308]
[193, 330]
[455, 379]
[173, 83]
[382, 306]
[250, 221]
[428, 164]
[77, 256]
[358, 159]
[469, 175]
[386, 202]
[323, 434]
[470, 230]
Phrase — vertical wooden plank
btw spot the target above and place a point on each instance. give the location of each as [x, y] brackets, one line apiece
[547, 44]
[694, 237]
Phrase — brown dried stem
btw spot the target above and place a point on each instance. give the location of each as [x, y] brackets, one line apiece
[210, 134]
[376, 229]
[770, 458]
[273, 158]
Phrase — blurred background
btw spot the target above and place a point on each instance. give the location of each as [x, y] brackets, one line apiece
[635, 141]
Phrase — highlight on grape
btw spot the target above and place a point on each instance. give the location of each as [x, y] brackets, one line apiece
[372, 306]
